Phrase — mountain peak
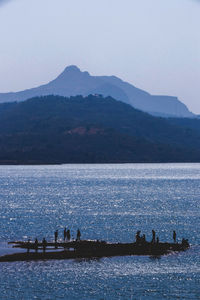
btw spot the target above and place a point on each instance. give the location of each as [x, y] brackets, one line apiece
[72, 68]
[72, 72]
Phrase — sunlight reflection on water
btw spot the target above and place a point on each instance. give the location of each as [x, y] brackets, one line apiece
[109, 202]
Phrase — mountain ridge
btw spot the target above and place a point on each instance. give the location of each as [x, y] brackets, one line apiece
[72, 81]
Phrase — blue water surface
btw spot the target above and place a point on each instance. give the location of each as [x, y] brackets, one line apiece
[107, 202]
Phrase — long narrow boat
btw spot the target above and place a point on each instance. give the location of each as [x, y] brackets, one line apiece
[90, 249]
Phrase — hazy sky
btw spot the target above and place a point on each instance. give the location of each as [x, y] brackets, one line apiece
[153, 44]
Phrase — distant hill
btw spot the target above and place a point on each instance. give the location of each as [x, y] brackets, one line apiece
[54, 129]
[72, 82]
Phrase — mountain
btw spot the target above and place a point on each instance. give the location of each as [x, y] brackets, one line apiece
[93, 129]
[72, 82]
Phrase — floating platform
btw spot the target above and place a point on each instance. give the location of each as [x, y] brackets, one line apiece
[90, 249]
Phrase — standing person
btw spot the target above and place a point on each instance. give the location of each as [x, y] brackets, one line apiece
[36, 245]
[153, 236]
[174, 236]
[137, 237]
[56, 236]
[68, 235]
[78, 235]
[44, 244]
[28, 246]
[143, 239]
[65, 234]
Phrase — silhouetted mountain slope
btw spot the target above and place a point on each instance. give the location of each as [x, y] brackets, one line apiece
[55, 129]
[72, 82]
[193, 124]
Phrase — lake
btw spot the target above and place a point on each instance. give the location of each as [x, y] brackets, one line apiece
[107, 202]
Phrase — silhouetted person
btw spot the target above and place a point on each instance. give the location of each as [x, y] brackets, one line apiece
[36, 245]
[153, 236]
[174, 236]
[143, 239]
[137, 237]
[44, 244]
[157, 240]
[56, 236]
[65, 234]
[185, 243]
[68, 235]
[78, 235]
[28, 246]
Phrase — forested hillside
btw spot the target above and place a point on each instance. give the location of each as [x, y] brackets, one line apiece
[54, 129]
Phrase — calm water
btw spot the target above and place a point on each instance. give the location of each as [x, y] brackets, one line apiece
[109, 202]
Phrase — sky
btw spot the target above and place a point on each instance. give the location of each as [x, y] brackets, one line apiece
[153, 44]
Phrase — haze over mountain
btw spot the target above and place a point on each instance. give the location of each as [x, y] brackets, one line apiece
[72, 82]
